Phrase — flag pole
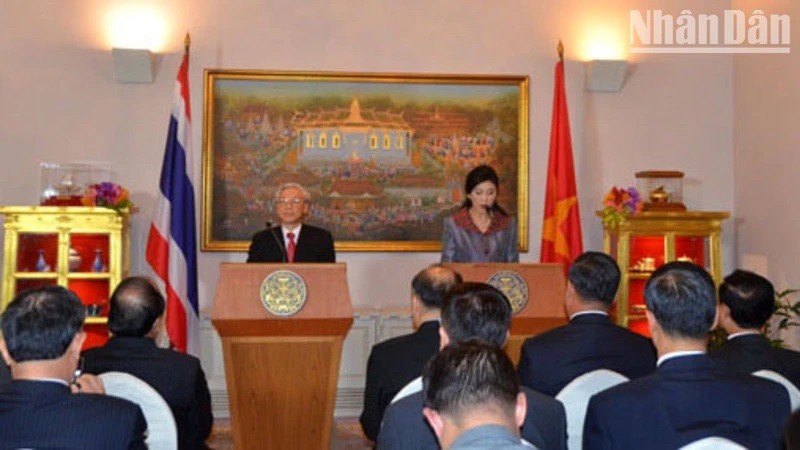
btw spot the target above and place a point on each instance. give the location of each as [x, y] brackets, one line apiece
[560, 49]
[187, 42]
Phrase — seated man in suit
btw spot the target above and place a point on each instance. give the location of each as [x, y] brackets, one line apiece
[689, 397]
[395, 362]
[747, 301]
[472, 398]
[590, 340]
[292, 240]
[136, 319]
[43, 334]
[473, 311]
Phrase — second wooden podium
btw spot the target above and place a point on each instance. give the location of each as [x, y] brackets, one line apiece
[282, 371]
[543, 296]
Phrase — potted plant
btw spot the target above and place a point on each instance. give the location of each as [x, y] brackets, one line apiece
[786, 315]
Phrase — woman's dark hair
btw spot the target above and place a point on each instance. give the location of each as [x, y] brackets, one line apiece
[477, 176]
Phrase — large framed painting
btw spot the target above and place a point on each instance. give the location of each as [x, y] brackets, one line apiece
[383, 155]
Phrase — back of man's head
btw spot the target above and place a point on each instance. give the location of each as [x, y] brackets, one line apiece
[476, 311]
[471, 377]
[135, 306]
[750, 297]
[595, 277]
[432, 284]
[681, 297]
[40, 324]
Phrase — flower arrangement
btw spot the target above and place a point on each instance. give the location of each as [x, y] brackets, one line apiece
[107, 194]
[619, 204]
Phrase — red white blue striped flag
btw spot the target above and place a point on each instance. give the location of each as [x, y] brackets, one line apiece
[171, 243]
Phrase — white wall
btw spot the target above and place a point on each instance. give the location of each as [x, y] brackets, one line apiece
[767, 114]
[59, 100]
[767, 105]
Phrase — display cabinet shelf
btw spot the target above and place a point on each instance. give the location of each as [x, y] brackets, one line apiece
[648, 240]
[82, 248]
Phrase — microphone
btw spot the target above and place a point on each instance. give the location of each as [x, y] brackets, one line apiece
[278, 241]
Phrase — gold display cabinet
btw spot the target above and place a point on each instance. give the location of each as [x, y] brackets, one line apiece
[646, 241]
[82, 248]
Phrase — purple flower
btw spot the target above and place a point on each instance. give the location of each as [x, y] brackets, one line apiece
[634, 200]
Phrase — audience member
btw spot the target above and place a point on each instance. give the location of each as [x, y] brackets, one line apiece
[473, 311]
[747, 301]
[395, 362]
[136, 319]
[42, 331]
[590, 340]
[689, 397]
[472, 398]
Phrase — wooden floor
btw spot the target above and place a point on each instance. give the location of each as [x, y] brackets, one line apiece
[347, 435]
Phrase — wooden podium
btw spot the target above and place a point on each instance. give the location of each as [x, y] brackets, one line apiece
[545, 306]
[282, 371]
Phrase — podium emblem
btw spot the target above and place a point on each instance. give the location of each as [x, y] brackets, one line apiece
[513, 286]
[283, 293]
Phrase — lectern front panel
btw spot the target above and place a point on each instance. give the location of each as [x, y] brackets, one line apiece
[285, 386]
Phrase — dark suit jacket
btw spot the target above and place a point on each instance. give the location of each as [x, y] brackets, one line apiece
[549, 361]
[314, 245]
[752, 352]
[791, 432]
[45, 414]
[686, 399]
[405, 428]
[392, 364]
[5, 376]
[176, 376]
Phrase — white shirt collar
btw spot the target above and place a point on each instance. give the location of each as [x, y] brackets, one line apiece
[742, 333]
[672, 355]
[584, 313]
[286, 232]
[47, 380]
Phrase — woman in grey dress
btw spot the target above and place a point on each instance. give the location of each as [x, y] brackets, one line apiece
[481, 230]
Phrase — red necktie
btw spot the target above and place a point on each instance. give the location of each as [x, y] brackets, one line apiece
[291, 247]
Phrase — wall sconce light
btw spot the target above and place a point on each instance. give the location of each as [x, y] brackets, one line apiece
[605, 75]
[136, 32]
[134, 65]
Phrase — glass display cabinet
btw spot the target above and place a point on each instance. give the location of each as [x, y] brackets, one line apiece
[646, 241]
[82, 248]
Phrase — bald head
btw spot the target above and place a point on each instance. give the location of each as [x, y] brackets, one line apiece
[135, 306]
[433, 283]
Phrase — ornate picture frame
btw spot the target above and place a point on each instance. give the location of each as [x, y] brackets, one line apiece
[383, 155]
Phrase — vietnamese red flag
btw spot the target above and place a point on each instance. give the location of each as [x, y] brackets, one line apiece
[561, 228]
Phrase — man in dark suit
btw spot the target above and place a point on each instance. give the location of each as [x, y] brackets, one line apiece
[473, 311]
[590, 340]
[689, 397]
[136, 319]
[395, 362]
[292, 240]
[747, 301]
[42, 330]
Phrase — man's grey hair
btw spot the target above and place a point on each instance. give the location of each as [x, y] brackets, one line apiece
[298, 186]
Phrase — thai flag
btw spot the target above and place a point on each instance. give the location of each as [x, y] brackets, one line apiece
[171, 243]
